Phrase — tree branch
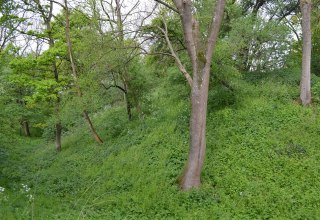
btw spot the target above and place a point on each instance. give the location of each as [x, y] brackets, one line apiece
[185, 11]
[167, 5]
[173, 53]
[114, 86]
[214, 29]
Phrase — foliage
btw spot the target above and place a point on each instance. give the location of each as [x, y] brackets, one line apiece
[262, 155]
[259, 149]
[258, 44]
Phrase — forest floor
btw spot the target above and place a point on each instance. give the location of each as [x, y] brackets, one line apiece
[262, 160]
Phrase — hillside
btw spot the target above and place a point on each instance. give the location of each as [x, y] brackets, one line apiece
[262, 160]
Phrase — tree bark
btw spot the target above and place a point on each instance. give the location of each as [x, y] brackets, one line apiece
[58, 132]
[92, 129]
[305, 84]
[199, 99]
[200, 53]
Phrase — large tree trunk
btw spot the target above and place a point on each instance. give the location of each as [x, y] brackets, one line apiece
[200, 53]
[305, 84]
[199, 98]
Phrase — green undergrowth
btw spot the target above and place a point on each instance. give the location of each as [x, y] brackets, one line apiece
[262, 161]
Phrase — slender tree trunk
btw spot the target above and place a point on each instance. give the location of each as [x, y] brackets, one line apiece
[93, 130]
[124, 71]
[128, 104]
[305, 84]
[124, 78]
[47, 18]
[58, 127]
[58, 136]
[75, 74]
[25, 128]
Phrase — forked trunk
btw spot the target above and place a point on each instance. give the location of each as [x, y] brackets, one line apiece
[305, 84]
[92, 129]
[200, 53]
[58, 136]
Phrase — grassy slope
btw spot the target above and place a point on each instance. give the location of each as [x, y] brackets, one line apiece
[262, 161]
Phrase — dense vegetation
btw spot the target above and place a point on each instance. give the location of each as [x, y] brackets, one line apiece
[262, 157]
[262, 161]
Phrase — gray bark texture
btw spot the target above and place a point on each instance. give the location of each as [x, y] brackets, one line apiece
[305, 84]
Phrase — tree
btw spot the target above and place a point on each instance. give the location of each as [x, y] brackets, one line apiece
[305, 84]
[118, 19]
[75, 72]
[47, 19]
[33, 89]
[9, 22]
[200, 51]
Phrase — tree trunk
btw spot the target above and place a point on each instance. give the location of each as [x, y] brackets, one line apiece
[200, 53]
[124, 71]
[58, 136]
[92, 129]
[47, 18]
[199, 98]
[25, 128]
[128, 106]
[305, 84]
[128, 103]
[58, 126]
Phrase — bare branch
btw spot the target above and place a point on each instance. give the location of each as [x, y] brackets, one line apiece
[114, 86]
[58, 3]
[131, 10]
[173, 53]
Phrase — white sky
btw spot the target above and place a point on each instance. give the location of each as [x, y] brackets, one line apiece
[138, 13]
